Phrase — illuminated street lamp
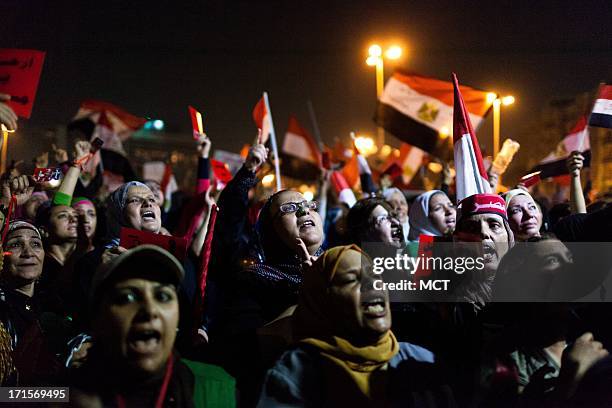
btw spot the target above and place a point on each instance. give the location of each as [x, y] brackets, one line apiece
[497, 102]
[4, 149]
[376, 58]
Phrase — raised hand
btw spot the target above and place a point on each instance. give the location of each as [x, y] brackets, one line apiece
[204, 144]
[19, 187]
[81, 149]
[574, 163]
[258, 154]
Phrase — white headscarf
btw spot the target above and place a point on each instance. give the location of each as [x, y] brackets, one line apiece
[387, 193]
[419, 217]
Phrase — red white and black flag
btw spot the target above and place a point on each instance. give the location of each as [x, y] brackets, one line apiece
[300, 157]
[416, 109]
[601, 116]
[577, 139]
[471, 175]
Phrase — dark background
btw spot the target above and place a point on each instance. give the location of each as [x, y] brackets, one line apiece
[154, 58]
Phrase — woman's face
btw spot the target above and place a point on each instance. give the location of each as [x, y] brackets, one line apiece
[303, 223]
[87, 210]
[524, 217]
[63, 223]
[442, 213]
[360, 312]
[31, 206]
[398, 202]
[550, 256]
[142, 211]
[136, 324]
[24, 261]
[384, 228]
[157, 192]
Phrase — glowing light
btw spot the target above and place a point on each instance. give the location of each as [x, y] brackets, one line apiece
[375, 50]
[434, 167]
[491, 96]
[158, 124]
[394, 52]
[372, 61]
[267, 180]
[386, 150]
[444, 132]
[508, 100]
[365, 145]
[308, 195]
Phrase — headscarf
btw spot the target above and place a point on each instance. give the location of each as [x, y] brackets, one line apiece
[510, 194]
[81, 200]
[20, 224]
[419, 217]
[116, 203]
[387, 193]
[313, 327]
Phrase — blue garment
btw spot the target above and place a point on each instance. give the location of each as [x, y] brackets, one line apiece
[297, 380]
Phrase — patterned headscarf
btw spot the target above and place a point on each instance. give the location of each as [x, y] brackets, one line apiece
[116, 203]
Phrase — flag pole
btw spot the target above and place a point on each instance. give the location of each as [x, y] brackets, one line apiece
[3, 155]
[315, 124]
[273, 142]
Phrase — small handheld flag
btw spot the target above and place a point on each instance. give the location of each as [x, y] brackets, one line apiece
[601, 116]
[196, 121]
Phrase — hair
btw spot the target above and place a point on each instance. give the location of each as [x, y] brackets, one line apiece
[357, 219]
[270, 245]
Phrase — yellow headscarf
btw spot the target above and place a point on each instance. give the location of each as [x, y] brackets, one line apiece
[362, 382]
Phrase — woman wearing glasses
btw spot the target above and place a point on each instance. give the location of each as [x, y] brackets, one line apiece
[371, 220]
[256, 270]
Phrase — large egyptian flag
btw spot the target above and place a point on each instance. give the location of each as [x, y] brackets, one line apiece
[471, 175]
[601, 116]
[300, 157]
[553, 165]
[416, 109]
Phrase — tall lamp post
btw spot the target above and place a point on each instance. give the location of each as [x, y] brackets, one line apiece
[376, 59]
[497, 102]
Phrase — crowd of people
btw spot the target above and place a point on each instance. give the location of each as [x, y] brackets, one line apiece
[280, 308]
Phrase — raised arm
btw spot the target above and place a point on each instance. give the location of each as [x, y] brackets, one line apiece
[574, 165]
[64, 193]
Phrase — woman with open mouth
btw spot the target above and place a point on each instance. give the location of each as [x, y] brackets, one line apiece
[257, 272]
[134, 319]
[21, 306]
[372, 220]
[345, 352]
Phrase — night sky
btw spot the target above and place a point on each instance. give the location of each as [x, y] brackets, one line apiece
[154, 58]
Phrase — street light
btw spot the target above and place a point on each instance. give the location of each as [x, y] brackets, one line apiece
[4, 149]
[497, 102]
[376, 59]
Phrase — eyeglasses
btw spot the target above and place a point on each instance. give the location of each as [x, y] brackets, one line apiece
[288, 208]
[383, 218]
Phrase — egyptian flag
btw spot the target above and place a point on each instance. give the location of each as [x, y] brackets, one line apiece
[300, 157]
[554, 165]
[416, 109]
[601, 116]
[342, 189]
[161, 173]
[406, 164]
[261, 117]
[471, 174]
[113, 124]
